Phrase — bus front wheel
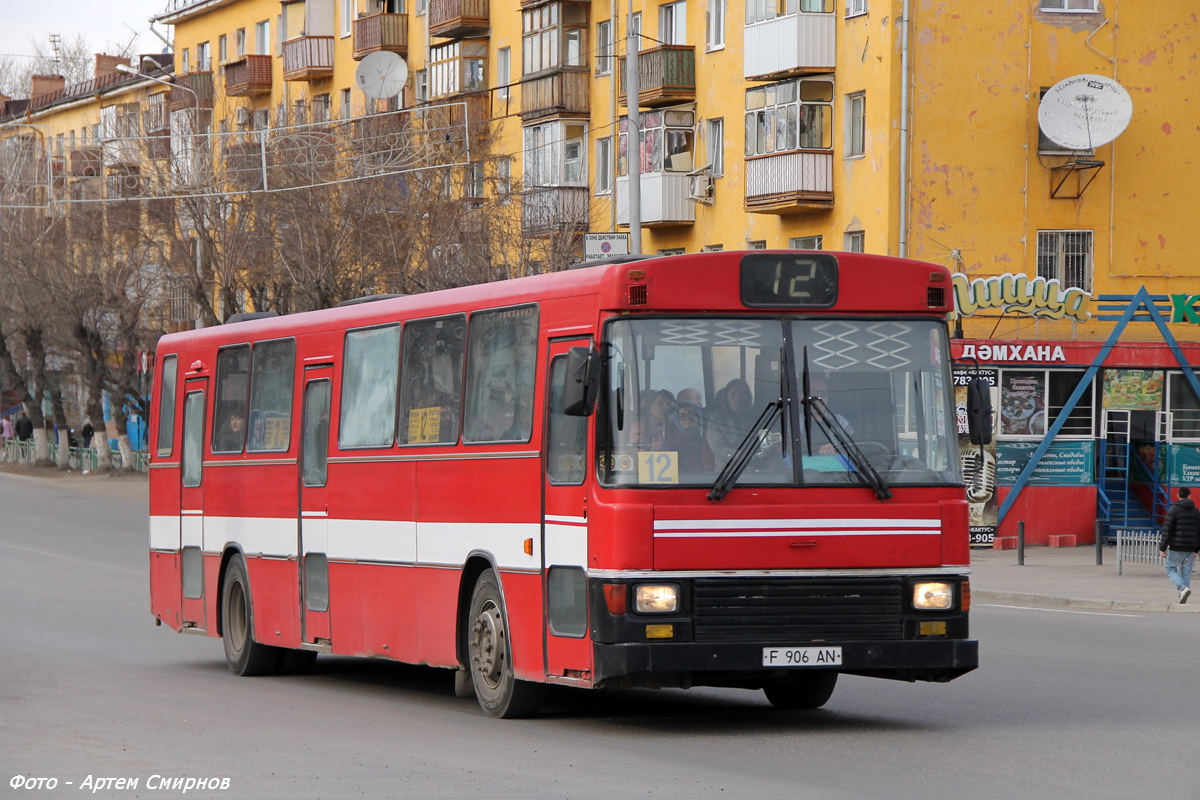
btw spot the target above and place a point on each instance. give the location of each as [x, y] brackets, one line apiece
[807, 690]
[243, 655]
[489, 653]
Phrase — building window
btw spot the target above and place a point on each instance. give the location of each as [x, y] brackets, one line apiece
[672, 251]
[553, 36]
[672, 23]
[1030, 399]
[422, 7]
[262, 37]
[714, 25]
[421, 85]
[203, 57]
[320, 108]
[1070, 5]
[299, 112]
[185, 61]
[474, 182]
[504, 179]
[855, 8]
[1066, 256]
[239, 42]
[854, 241]
[604, 165]
[1183, 405]
[222, 49]
[756, 244]
[805, 243]
[714, 146]
[554, 154]
[792, 115]
[348, 16]
[856, 124]
[457, 67]
[503, 72]
[666, 143]
[344, 112]
[763, 10]
[604, 47]
[712, 248]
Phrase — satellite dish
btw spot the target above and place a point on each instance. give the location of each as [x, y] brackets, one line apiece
[1085, 111]
[381, 74]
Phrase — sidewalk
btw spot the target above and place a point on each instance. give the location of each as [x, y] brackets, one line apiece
[1068, 577]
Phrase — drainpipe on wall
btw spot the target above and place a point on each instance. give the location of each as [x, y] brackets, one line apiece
[904, 131]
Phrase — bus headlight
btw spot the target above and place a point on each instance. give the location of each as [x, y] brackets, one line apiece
[933, 596]
[656, 599]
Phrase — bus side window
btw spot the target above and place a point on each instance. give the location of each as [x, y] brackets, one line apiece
[431, 398]
[501, 361]
[232, 396]
[271, 396]
[567, 435]
[166, 406]
[369, 384]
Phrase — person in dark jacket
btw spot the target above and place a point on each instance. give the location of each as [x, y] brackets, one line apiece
[1180, 541]
[24, 427]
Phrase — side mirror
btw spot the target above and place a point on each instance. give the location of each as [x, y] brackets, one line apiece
[979, 411]
[582, 382]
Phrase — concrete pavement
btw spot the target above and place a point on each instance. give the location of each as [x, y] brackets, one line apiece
[1068, 577]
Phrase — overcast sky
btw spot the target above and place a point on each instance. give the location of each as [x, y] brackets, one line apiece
[102, 22]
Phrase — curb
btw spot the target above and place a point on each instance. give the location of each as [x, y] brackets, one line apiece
[1047, 601]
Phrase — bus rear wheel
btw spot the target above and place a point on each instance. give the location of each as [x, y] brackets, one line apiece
[243, 655]
[489, 656]
[807, 690]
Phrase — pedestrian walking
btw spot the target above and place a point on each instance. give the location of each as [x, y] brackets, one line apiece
[24, 427]
[1180, 541]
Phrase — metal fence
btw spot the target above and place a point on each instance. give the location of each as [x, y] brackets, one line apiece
[80, 458]
[1137, 546]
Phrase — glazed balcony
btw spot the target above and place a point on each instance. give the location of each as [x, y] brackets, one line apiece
[456, 19]
[665, 199]
[308, 58]
[795, 44]
[561, 93]
[555, 209]
[248, 75]
[380, 32]
[666, 75]
[796, 182]
[201, 83]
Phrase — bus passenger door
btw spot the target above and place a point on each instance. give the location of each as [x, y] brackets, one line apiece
[314, 508]
[564, 527]
[191, 505]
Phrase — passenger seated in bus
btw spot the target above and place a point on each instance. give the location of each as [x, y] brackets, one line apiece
[650, 431]
[229, 438]
[731, 419]
[819, 388]
[685, 435]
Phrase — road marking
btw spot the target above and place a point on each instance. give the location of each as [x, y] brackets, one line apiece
[1060, 610]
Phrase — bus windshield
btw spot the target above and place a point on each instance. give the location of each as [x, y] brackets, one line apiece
[682, 394]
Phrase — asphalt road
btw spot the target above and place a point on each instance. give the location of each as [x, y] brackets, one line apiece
[1066, 705]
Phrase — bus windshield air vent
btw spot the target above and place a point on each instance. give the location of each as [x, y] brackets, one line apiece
[371, 298]
[248, 316]
[638, 295]
[937, 296]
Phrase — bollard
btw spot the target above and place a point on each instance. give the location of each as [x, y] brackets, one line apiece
[1021, 543]
[1099, 543]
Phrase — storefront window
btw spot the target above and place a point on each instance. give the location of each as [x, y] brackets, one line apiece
[1184, 408]
[1030, 401]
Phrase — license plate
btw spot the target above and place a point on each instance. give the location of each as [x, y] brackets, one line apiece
[802, 657]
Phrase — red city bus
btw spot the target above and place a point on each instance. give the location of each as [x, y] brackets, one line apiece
[726, 469]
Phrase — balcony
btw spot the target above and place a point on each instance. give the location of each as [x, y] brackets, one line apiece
[665, 200]
[199, 82]
[786, 46]
[308, 58]
[666, 75]
[790, 183]
[248, 75]
[564, 93]
[458, 19]
[555, 209]
[380, 32]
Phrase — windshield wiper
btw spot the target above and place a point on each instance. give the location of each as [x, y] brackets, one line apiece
[745, 451]
[835, 431]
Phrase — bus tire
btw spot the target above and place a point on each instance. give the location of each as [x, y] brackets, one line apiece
[243, 655]
[489, 655]
[807, 690]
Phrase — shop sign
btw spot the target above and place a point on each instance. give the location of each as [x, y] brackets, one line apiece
[1185, 464]
[1033, 353]
[1020, 294]
[1066, 463]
